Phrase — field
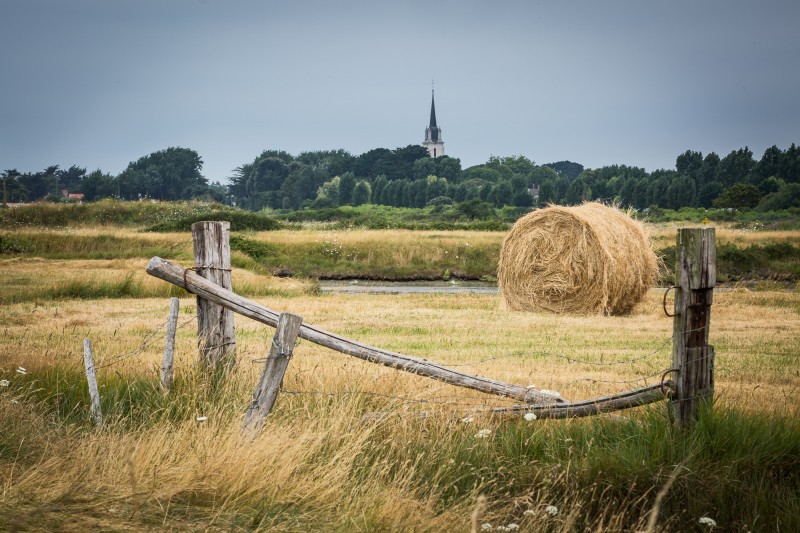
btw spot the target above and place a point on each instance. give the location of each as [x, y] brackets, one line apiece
[180, 461]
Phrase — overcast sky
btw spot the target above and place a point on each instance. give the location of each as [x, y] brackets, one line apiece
[100, 83]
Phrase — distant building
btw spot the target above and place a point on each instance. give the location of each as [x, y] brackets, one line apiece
[433, 135]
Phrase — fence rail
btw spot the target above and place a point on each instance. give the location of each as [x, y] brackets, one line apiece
[693, 358]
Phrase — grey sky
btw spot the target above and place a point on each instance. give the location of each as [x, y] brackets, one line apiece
[100, 83]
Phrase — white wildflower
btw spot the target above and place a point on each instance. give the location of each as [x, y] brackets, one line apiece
[4, 383]
[552, 510]
[706, 521]
[512, 527]
[530, 416]
[531, 386]
[22, 371]
[483, 434]
[529, 512]
[468, 420]
[201, 418]
[486, 527]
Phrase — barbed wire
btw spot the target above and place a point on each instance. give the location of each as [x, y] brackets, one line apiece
[148, 340]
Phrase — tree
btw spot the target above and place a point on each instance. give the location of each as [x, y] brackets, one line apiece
[361, 193]
[568, 169]
[689, 164]
[577, 192]
[738, 196]
[347, 184]
[474, 210]
[171, 174]
[377, 189]
[736, 167]
[788, 196]
[97, 185]
[708, 192]
[547, 193]
[682, 192]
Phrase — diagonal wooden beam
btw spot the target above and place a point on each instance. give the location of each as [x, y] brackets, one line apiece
[195, 284]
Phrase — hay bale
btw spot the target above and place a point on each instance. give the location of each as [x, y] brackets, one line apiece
[588, 259]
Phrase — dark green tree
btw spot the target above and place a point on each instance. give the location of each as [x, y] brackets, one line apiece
[347, 184]
[739, 196]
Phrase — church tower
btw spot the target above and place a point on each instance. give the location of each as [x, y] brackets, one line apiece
[433, 135]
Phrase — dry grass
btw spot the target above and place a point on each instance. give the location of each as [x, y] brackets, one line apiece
[589, 259]
[317, 466]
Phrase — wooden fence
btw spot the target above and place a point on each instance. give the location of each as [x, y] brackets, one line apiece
[692, 366]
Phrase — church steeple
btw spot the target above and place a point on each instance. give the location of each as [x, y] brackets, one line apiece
[433, 112]
[433, 134]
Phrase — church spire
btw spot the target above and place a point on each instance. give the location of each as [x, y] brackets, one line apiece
[433, 133]
[433, 111]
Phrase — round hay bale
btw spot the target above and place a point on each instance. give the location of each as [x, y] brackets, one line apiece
[588, 259]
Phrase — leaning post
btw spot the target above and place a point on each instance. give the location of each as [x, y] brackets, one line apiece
[692, 357]
[212, 261]
[274, 368]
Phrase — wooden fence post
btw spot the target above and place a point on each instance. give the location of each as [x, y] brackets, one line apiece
[169, 344]
[274, 368]
[692, 357]
[212, 261]
[91, 378]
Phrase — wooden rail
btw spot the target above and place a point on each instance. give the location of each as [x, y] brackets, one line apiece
[203, 288]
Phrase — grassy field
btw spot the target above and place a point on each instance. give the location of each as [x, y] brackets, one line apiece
[179, 461]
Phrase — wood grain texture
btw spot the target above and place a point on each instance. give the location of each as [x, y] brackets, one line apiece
[275, 366]
[212, 261]
[169, 344]
[91, 378]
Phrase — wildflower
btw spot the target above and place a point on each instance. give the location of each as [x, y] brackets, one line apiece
[530, 416]
[201, 418]
[552, 510]
[529, 512]
[486, 527]
[468, 420]
[22, 371]
[512, 527]
[484, 433]
[4, 383]
[531, 386]
[706, 521]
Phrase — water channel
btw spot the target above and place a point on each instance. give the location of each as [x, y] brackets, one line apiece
[353, 286]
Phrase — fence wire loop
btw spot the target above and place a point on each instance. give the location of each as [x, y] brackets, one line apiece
[664, 301]
[663, 384]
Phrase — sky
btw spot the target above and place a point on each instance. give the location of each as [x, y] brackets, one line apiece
[101, 83]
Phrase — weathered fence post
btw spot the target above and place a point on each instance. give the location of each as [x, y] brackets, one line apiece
[91, 378]
[212, 261]
[692, 357]
[169, 344]
[274, 368]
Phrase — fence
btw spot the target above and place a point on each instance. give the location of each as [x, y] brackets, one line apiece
[692, 360]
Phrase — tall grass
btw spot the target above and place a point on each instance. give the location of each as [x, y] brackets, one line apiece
[320, 465]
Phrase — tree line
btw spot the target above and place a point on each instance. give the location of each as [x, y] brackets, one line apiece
[409, 177]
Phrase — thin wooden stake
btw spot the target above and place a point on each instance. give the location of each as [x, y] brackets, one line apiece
[212, 261]
[94, 394]
[169, 344]
[692, 357]
[274, 368]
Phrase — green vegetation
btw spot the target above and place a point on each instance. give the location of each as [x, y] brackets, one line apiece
[409, 177]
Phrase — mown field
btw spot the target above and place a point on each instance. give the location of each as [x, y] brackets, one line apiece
[180, 461]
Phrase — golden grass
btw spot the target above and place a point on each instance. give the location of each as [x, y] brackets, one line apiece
[588, 259]
[314, 467]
